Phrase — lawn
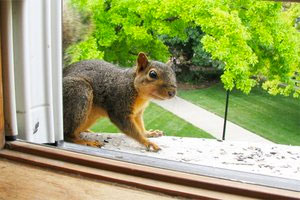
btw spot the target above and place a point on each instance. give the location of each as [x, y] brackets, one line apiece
[156, 117]
[276, 118]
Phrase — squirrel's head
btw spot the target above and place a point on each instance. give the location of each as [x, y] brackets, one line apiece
[154, 79]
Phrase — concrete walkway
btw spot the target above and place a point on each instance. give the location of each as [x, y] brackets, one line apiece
[207, 121]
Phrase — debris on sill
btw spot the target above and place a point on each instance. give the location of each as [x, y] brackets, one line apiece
[268, 159]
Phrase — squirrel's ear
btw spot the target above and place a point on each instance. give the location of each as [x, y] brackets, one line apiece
[170, 62]
[142, 62]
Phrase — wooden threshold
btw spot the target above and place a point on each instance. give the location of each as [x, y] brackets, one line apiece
[144, 177]
[2, 137]
[20, 181]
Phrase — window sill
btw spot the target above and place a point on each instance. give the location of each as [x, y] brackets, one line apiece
[266, 164]
[140, 176]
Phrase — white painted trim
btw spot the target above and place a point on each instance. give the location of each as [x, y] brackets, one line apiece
[21, 67]
[56, 42]
[48, 67]
[38, 68]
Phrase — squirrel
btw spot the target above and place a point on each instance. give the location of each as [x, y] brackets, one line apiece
[95, 88]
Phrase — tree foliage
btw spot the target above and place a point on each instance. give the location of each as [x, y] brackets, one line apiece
[251, 38]
[192, 63]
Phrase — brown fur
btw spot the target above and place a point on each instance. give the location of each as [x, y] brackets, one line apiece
[95, 89]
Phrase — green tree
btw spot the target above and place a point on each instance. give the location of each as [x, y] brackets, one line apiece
[193, 64]
[252, 38]
[122, 29]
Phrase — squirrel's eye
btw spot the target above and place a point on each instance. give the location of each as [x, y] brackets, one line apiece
[153, 74]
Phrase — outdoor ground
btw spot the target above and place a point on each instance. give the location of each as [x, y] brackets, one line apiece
[156, 117]
[276, 118]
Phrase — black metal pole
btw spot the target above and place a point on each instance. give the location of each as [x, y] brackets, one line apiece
[226, 112]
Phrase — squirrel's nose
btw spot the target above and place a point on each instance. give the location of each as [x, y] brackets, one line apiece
[172, 93]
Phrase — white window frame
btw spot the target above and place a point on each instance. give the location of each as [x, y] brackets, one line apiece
[33, 69]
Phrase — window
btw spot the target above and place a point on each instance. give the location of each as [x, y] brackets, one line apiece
[38, 107]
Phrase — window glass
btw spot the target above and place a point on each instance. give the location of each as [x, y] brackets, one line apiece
[234, 60]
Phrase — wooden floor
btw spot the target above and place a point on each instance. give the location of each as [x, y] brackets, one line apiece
[20, 181]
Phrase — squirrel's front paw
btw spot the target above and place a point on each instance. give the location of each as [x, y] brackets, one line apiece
[152, 145]
[154, 133]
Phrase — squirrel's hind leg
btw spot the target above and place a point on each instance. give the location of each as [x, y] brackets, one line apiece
[75, 138]
[77, 102]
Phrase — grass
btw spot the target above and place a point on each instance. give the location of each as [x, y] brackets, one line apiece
[276, 118]
[156, 117]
